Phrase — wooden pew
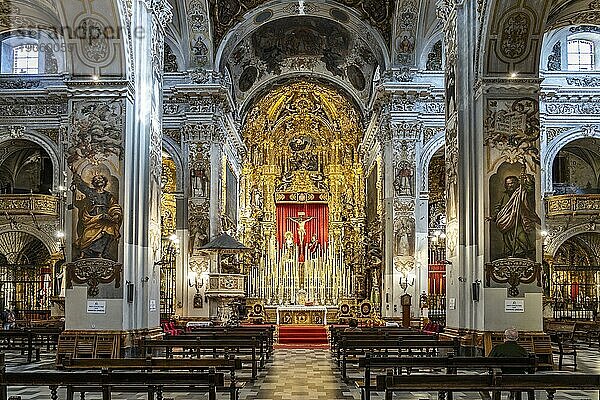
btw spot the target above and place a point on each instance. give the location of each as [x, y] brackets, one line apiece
[397, 347]
[106, 382]
[19, 339]
[265, 348]
[450, 363]
[337, 332]
[495, 383]
[265, 333]
[206, 347]
[160, 364]
[349, 336]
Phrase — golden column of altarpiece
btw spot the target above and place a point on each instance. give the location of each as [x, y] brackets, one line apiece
[303, 199]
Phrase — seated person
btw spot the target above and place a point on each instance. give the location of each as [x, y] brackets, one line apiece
[510, 348]
[353, 326]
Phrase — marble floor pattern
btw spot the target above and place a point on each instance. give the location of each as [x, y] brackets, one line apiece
[293, 374]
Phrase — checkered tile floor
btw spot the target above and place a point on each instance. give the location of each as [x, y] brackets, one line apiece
[303, 374]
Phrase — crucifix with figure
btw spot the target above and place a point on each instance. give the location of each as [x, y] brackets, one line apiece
[301, 220]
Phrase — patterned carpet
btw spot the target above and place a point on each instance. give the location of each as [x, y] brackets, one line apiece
[303, 374]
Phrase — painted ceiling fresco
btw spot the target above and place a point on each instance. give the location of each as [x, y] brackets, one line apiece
[227, 13]
[302, 44]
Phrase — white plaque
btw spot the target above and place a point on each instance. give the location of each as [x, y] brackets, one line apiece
[152, 305]
[96, 307]
[452, 303]
[513, 306]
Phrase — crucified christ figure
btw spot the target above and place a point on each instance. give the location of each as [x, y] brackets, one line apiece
[301, 220]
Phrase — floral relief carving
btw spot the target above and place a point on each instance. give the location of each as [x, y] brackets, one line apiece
[515, 35]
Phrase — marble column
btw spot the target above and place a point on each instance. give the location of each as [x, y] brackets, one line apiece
[492, 138]
[114, 155]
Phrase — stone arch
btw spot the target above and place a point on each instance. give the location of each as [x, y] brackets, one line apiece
[557, 143]
[504, 48]
[556, 241]
[110, 55]
[268, 85]
[438, 142]
[173, 149]
[427, 47]
[248, 25]
[47, 239]
[44, 142]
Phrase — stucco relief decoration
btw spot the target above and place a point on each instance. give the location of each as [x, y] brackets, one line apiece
[199, 225]
[590, 81]
[434, 58]
[513, 130]
[199, 32]
[406, 33]
[515, 35]
[554, 59]
[404, 236]
[170, 60]
[95, 48]
[553, 132]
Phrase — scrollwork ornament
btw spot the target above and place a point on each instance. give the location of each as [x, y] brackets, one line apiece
[514, 271]
[93, 272]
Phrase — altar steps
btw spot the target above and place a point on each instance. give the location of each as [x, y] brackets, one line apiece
[299, 335]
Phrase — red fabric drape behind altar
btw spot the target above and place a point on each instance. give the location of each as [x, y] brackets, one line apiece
[319, 224]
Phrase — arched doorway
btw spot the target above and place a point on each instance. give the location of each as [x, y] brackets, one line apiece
[25, 168]
[576, 168]
[303, 199]
[436, 298]
[169, 240]
[575, 276]
[26, 275]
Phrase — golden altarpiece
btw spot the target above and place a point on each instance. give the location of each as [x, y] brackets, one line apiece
[303, 200]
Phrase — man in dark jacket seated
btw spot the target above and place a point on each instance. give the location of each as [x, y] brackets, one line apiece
[510, 348]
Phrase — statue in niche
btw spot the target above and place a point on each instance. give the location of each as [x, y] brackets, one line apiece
[403, 182]
[100, 216]
[199, 224]
[313, 247]
[300, 143]
[515, 216]
[199, 182]
[257, 199]
[289, 245]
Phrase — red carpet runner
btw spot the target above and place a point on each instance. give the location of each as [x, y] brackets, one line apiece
[302, 335]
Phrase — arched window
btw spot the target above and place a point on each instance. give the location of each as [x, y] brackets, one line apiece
[35, 53]
[580, 55]
[26, 59]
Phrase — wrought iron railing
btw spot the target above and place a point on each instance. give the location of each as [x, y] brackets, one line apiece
[575, 309]
[436, 305]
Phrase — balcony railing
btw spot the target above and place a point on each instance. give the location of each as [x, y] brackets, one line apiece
[27, 204]
[572, 204]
